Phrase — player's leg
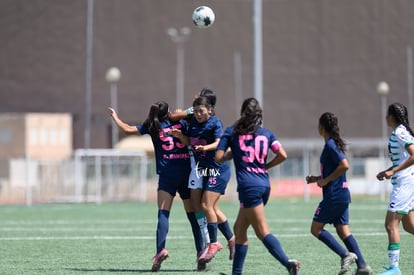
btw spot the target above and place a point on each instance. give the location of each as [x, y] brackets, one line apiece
[209, 199]
[198, 239]
[326, 213]
[392, 220]
[164, 200]
[405, 205]
[352, 245]
[195, 198]
[225, 229]
[408, 222]
[185, 194]
[240, 229]
[255, 215]
[317, 230]
[342, 229]
[223, 224]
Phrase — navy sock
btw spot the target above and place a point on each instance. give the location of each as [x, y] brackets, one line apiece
[212, 231]
[272, 244]
[162, 228]
[198, 241]
[352, 246]
[225, 230]
[239, 257]
[331, 242]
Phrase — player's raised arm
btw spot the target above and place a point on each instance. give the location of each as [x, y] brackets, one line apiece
[129, 129]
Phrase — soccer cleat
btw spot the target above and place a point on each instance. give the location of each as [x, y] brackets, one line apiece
[201, 265]
[364, 270]
[294, 266]
[158, 259]
[213, 248]
[231, 245]
[346, 262]
[392, 270]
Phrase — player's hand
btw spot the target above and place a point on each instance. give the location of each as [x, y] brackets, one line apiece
[112, 112]
[175, 132]
[312, 179]
[387, 174]
[199, 148]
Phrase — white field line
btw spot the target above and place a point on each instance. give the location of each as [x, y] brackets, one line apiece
[121, 238]
[154, 221]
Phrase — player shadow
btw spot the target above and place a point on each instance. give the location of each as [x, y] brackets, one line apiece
[120, 270]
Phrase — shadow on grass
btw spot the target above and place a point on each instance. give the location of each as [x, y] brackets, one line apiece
[120, 270]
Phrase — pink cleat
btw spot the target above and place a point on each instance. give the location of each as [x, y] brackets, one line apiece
[213, 248]
[158, 259]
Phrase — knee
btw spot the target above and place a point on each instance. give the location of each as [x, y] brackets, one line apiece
[390, 228]
[315, 232]
[408, 227]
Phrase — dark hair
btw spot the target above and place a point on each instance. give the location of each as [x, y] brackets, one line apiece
[250, 117]
[399, 112]
[202, 100]
[209, 94]
[329, 122]
[157, 113]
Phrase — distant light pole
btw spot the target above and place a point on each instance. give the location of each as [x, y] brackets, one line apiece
[113, 75]
[179, 36]
[383, 90]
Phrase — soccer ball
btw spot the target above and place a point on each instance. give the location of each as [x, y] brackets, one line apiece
[203, 17]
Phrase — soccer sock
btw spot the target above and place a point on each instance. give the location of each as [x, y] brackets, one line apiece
[273, 246]
[162, 228]
[202, 223]
[352, 246]
[198, 239]
[239, 257]
[331, 242]
[225, 229]
[212, 231]
[394, 254]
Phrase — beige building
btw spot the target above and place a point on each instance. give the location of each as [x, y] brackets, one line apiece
[46, 136]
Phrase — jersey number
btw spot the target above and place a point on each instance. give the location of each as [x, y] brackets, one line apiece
[256, 152]
[168, 140]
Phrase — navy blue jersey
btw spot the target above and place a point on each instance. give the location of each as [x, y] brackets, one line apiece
[203, 134]
[250, 153]
[336, 190]
[171, 155]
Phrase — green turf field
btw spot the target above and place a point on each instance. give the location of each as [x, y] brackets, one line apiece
[119, 238]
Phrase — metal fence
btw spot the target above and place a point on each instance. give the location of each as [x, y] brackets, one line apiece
[118, 175]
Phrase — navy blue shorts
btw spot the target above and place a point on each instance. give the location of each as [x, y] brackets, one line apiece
[253, 196]
[173, 184]
[217, 182]
[333, 213]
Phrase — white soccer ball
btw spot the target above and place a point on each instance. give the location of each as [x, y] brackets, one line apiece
[203, 17]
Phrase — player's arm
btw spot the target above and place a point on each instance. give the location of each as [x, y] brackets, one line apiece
[129, 129]
[180, 114]
[179, 134]
[222, 156]
[343, 166]
[387, 174]
[280, 156]
[208, 147]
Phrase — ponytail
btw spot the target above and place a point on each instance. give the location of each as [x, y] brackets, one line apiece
[158, 112]
[330, 124]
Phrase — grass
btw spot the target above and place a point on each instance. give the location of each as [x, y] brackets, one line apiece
[119, 238]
